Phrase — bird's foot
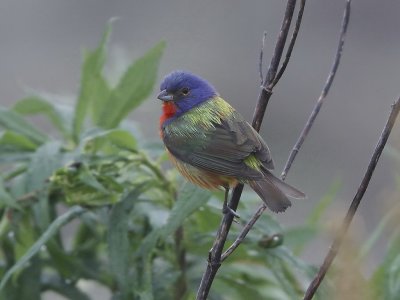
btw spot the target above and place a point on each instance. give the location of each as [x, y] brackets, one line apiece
[227, 210]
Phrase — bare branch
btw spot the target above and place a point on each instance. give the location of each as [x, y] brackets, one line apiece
[260, 62]
[214, 260]
[306, 129]
[244, 232]
[291, 44]
[280, 43]
[325, 90]
[355, 203]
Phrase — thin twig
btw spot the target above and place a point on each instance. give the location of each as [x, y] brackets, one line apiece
[354, 204]
[214, 259]
[280, 43]
[325, 90]
[180, 287]
[244, 232]
[303, 134]
[260, 62]
[291, 44]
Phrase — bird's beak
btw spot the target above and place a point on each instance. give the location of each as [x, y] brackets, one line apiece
[165, 96]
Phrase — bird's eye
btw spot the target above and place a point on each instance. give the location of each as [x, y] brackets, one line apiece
[185, 91]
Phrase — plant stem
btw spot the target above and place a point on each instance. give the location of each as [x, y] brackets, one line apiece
[354, 204]
[214, 257]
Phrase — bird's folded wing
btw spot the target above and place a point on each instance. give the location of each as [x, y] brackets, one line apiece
[223, 149]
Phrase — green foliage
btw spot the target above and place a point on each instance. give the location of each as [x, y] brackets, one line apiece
[133, 227]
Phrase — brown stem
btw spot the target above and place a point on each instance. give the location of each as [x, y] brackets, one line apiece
[214, 259]
[260, 62]
[291, 44]
[180, 285]
[354, 204]
[262, 207]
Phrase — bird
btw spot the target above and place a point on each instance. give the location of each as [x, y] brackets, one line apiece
[213, 146]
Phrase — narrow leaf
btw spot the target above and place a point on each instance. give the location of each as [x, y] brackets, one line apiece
[190, 198]
[118, 137]
[6, 200]
[13, 140]
[134, 87]
[36, 105]
[44, 162]
[58, 285]
[44, 238]
[377, 233]
[118, 242]
[92, 82]
[13, 121]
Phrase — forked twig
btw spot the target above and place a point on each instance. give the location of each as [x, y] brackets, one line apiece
[291, 44]
[214, 259]
[325, 90]
[305, 131]
[354, 204]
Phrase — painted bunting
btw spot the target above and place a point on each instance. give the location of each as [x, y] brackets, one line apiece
[212, 145]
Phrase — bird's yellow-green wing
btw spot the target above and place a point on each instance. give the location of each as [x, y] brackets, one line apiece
[224, 144]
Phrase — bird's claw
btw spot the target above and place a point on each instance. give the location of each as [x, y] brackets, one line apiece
[227, 210]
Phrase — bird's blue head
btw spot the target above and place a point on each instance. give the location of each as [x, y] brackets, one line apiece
[185, 90]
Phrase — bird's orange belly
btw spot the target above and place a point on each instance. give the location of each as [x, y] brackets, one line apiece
[202, 178]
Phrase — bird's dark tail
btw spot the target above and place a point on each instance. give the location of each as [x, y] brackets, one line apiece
[274, 192]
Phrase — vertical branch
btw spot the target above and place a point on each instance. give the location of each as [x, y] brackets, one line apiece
[291, 44]
[214, 259]
[260, 63]
[354, 204]
[181, 285]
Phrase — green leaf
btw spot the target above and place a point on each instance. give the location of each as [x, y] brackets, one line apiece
[298, 237]
[44, 162]
[393, 283]
[93, 90]
[100, 93]
[14, 122]
[58, 285]
[119, 251]
[284, 276]
[35, 105]
[385, 282]
[13, 140]
[29, 279]
[6, 200]
[377, 233]
[43, 239]
[101, 182]
[190, 198]
[134, 87]
[25, 235]
[117, 137]
[14, 156]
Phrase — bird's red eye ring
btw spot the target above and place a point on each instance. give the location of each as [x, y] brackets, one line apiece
[185, 91]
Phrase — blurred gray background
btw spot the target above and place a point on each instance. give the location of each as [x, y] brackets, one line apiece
[41, 43]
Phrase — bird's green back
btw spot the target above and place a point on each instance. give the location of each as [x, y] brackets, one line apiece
[200, 119]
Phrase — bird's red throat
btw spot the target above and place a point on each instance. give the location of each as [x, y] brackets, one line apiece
[168, 111]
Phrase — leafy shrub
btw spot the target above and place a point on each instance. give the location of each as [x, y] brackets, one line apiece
[137, 229]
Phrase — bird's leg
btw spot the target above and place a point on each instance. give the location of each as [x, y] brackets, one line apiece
[225, 208]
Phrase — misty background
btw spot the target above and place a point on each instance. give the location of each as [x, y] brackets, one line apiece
[41, 43]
